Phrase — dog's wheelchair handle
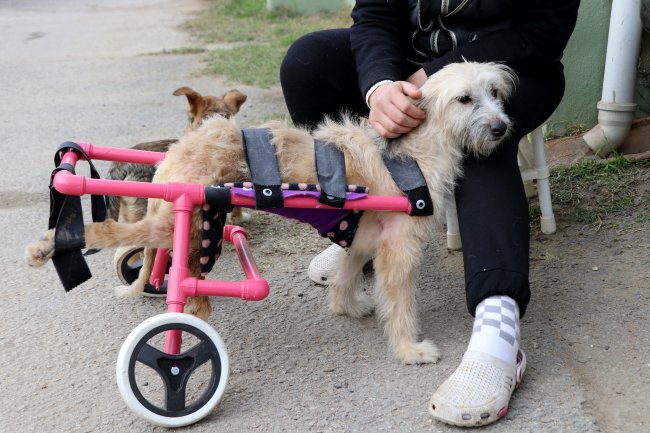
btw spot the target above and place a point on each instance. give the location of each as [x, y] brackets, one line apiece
[174, 363]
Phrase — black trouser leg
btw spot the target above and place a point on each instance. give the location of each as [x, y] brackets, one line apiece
[492, 205]
[319, 78]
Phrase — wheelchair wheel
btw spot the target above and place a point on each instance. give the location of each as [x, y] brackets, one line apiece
[172, 390]
[127, 263]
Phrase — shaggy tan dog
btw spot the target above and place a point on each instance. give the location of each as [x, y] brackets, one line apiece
[464, 105]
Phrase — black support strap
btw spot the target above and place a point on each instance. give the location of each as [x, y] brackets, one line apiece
[218, 196]
[264, 168]
[407, 175]
[66, 216]
[330, 168]
[97, 202]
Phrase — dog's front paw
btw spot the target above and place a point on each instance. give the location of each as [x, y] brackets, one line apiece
[358, 305]
[38, 253]
[423, 352]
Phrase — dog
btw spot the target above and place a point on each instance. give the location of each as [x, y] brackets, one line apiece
[132, 209]
[464, 103]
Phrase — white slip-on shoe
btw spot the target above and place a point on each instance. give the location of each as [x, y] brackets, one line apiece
[323, 267]
[479, 391]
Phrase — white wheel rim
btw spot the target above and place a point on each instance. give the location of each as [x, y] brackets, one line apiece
[127, 349]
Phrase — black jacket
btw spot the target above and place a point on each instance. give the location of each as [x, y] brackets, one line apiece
[524, 34]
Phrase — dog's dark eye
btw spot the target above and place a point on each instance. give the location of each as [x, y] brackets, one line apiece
[465, 99]
[495, 93]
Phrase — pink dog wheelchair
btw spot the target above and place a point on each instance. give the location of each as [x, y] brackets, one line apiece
[172, 369]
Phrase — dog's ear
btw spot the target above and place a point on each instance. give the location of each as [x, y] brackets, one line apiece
[508, 80]
[194, 98]
[234, 100]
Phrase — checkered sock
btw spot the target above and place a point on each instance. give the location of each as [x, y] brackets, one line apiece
[496, 328]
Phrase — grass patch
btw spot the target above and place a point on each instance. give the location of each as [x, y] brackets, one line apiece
[184, 50]
[267, 36]
[255, 65]
[591, 191]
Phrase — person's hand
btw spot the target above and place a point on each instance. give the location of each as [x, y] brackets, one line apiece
[392, 112]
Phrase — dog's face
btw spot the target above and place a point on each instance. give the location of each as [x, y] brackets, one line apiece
[201, 107]
[468, 100]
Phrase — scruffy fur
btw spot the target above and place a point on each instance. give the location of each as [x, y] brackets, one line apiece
[464, 106]
[132, 209]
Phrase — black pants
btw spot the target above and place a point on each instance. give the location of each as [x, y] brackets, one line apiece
[318, 78]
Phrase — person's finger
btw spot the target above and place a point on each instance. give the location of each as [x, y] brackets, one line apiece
[405, 113]
[390, 128]
[379, 128]
[401, 118]
[385, 125]
[406, 106]
[410, 90]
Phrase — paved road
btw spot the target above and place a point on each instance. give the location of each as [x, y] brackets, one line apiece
[79, 69]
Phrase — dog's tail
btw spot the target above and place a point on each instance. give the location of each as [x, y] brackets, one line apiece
[155, 233]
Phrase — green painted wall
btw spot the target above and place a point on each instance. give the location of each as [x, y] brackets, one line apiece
[584, 63]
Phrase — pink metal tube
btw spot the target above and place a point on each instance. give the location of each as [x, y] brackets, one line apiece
[239, 238]
[173, 340]
[253, 288]
[378, 203]
[159, 268]
[123, 155]
[179, 271]
[248, 290]
[67, 183]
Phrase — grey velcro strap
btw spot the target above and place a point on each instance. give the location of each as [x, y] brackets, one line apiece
[407, 175]
[330, 169]
[264, 168]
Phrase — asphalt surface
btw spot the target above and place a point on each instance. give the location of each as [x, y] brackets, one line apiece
[82, 70]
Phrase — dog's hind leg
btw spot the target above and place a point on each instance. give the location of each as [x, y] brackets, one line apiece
[396, 266]
[197, 305]
[345, 292]
[150, 232]
[38, 253]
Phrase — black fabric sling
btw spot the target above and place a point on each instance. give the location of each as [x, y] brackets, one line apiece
[66, 216]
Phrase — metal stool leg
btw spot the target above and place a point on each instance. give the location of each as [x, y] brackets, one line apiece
[453, 231]
[547, 220]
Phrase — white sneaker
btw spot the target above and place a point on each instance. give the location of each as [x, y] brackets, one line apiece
[323, 267]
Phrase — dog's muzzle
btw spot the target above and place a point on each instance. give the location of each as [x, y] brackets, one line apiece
[498, 129]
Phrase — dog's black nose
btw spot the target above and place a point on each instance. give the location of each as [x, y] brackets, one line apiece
[498, 128]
